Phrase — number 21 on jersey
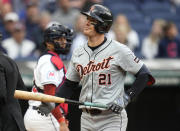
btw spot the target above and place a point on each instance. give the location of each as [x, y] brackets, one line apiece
[104, 79]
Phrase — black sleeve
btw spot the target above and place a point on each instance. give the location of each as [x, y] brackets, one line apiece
[3, 91]
[143, 79]
[67, 89]
[21, 86]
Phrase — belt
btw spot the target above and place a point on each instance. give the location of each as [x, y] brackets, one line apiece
[92, 111]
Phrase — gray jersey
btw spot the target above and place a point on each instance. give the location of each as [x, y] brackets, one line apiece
[102, 72]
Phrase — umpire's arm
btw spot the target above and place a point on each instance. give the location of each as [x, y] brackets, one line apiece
[3, 90]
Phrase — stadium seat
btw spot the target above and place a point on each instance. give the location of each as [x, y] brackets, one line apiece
[109, 2]
[135, 17]
[122, 8]
[142, 28]
[167, 16]
[178, 10]
[150, 8]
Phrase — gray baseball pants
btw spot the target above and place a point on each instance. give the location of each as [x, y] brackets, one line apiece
[106, 121]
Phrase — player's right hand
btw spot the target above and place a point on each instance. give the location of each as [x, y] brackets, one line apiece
[63, 126]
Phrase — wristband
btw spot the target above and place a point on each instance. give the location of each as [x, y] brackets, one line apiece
[62, 119]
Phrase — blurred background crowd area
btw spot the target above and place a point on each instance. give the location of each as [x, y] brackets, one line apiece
[147, 27]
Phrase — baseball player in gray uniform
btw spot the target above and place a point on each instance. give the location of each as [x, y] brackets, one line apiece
[101, 66]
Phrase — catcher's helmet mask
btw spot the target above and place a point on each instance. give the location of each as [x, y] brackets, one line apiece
[103, 16]
[56, 31]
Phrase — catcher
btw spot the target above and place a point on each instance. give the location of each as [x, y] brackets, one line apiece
[49, 75]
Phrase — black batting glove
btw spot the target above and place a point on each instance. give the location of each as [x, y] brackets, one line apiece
[115, 108]
[45, 108]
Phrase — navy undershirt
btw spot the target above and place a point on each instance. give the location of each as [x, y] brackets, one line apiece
[93, 48]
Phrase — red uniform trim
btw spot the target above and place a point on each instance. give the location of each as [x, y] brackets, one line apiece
[151, 81]
[56, 60]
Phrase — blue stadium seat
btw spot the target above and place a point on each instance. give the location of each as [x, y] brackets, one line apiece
[109, 2]
[178, 10]
[135, 17]
[122, 8]
[150, 8]
[142, 28]
[167, 16]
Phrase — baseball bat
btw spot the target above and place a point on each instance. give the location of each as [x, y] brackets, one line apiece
[48, 98]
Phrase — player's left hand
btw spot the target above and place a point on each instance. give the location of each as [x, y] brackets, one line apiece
[63, 126]
[45, 108]
[115, 108]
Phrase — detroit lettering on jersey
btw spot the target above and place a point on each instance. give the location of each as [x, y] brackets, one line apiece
[92, 67]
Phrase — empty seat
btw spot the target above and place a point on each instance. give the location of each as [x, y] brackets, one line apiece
[166, 16]
[135, 17]
[122, 8]
[141, 28]
[150, 8]
[110, 2]
[178, 10]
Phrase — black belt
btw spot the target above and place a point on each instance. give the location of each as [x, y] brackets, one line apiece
[92, 111]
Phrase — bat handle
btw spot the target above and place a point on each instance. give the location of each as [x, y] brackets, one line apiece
[95, 105]
[68, 101]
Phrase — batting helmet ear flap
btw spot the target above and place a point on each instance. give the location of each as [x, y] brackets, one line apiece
[101, 27]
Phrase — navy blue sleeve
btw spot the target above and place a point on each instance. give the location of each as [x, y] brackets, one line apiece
[67, 89]
[143, 79]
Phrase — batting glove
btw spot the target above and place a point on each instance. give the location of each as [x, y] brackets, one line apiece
[45, 108]
[117, 108]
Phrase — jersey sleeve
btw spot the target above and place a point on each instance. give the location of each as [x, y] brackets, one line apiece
[48, 74]
[128, 61]
[72, 73]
